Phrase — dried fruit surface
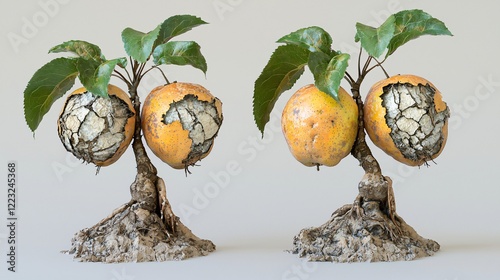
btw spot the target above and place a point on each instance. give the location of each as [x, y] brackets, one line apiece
[97, 129]
[406, 117]
[180, 122]
[318, 129]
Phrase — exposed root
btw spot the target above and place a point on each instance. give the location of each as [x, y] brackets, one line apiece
[134, 234]
[166, 212]
[361, 232]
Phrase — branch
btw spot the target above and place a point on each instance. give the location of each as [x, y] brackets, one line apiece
[119, 75]
[349, 79]
[379, 64]
[161, 71]
[360, 150]
[365, 67]
[359, 60]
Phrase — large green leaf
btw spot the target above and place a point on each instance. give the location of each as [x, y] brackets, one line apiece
[328, 72]
[177, 25]
[48, 84]
[82, 49]
[139, 45]
[285, 66]
[411, 24]
[95, 76]
[376, 40]
[180, 53]
[313, 38]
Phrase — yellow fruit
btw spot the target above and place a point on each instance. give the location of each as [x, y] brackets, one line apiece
[318, 129]
[97, 129]
[406, 117]
[180, 122]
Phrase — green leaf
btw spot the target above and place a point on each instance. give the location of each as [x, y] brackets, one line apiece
[95, 76]
[313, 38]
[82, 49]
[122, 62]
[328, 72]
[177, 25]
[285, 66]
[139, 45]
[376, 40]
[48, 84]
[411, 24]
[180, 53]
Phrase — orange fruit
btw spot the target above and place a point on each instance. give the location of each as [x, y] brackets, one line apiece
[180, 122]
[406, 117]
[318, 129]
[97, 129]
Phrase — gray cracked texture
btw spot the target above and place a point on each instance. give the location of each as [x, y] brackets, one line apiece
[198, 117]
[345, 238]
[416, 126]
[92, 127]
[135, 235]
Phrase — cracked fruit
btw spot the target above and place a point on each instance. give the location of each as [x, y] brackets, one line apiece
[180, 122]
[406, 117]
[96, 129]
[318, 129]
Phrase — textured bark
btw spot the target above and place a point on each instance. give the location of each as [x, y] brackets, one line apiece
[369, 229]
[144, 229]
[134, 234]
[362, 233]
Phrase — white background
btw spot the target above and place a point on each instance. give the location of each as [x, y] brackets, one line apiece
[253, 213]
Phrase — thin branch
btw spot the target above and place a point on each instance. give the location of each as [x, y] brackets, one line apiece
[379, 64]
[359, 60]
[159, 69]
[365, 67]
[141, 68]
[135, 67]
[128, 74]
[349, 79]
[121, 77]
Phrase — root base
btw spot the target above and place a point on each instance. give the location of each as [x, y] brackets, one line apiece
[132, 234]
[362, 234]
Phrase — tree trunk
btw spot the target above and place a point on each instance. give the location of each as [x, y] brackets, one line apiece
[368, 229]
[145, 228]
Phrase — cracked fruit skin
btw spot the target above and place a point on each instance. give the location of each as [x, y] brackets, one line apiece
[180, 122]
[91, 153]
[318, 129]
[380, 133]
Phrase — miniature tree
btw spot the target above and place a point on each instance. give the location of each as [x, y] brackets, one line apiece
[99, 121]
[404, 115]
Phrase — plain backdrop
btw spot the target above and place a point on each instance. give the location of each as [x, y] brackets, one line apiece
[249, 196]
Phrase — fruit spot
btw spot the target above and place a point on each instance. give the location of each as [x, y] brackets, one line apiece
[416, 127]
[198, 117]
[92, 128]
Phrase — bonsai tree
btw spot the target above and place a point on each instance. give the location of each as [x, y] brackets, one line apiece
[99, 121]
[404, 115]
